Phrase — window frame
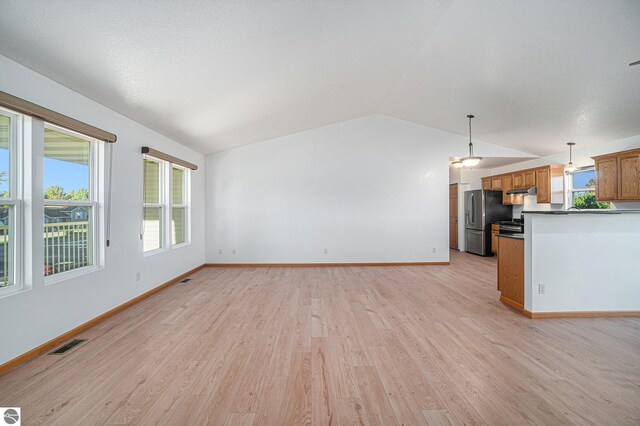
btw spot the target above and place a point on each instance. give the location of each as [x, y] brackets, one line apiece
[95, 237]
[15, 200]
[166, 205]
[571, 191]
[161, 204]
[186, 195]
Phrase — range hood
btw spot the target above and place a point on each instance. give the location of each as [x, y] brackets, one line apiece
[523, 191]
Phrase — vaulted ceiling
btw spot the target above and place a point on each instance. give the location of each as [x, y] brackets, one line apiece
[220, 74]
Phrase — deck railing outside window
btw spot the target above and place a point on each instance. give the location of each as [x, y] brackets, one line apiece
[66, 247]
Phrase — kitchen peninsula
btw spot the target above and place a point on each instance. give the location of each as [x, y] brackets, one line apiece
[573, 263]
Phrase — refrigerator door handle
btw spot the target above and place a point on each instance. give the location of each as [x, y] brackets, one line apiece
[473, 209]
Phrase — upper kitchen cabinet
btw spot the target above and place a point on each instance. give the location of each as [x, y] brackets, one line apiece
[618, 176]
[550, 184]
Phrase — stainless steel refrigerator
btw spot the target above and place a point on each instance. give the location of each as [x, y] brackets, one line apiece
[481, 209]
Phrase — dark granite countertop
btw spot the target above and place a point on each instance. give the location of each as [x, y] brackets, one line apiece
[514, 236]
[567, 212]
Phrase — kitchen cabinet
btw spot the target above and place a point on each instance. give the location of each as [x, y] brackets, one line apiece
[486, 183]
[529, 178]
[607, 179]
[618, 176]
[495, 230]
[496, 183]
[518, 180]
[509, 200]
[550, 184]
[549, 181]
[511, 271]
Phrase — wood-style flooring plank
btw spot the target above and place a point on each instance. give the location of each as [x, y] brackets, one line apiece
[336, 345]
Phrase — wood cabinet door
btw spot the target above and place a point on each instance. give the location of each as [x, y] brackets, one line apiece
[530, 179]
[496, 183]
[511, 270]
[543, 179]
[494, 238]
[629, 177]
[507, 184]
[453, 216]
[518, 180]
[607, 179]
[486, 183]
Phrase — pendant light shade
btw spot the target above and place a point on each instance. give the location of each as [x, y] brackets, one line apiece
[457, 164]
[570, 168]
[471, 160]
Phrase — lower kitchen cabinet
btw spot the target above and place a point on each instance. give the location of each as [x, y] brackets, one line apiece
[511, 271]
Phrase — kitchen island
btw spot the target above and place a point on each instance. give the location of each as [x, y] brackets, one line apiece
[576, 263]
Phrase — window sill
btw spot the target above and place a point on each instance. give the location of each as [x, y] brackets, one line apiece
[63, 276]
[177, 246]
[19, 290]
[156, 251]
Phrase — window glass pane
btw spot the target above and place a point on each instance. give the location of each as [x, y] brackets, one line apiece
[5, 135]
[177, 175]
[152, 228]
[66, 166]
[151, 182]
[178, 225]
[6, 245]
[587, 200]
[68, 241]
[586, 179]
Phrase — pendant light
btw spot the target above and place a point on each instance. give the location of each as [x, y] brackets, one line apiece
[471, 160]
[570, 167]
[457, 164]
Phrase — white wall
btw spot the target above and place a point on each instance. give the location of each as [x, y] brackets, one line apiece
[588, 262]
[373, 189]
[33, 317]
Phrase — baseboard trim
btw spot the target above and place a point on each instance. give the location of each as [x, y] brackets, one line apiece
[315, 265]
[589, 314]
[512, 304]
[9, 365]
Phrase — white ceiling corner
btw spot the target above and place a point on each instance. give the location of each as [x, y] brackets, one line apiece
[216, 75]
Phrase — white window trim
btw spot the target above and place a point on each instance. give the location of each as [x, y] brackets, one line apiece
[186, 188]
[16, 268]
[166, 204]
[162, 205]
[94, 202]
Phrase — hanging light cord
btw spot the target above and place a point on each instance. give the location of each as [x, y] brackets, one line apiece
[470, 144]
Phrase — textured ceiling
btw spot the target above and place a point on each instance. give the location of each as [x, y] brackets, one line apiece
[220, 74]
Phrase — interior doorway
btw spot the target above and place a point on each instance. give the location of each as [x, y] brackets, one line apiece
[453, 216]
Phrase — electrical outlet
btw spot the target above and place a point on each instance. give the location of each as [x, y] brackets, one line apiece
[433, 250]
[137, 276]
[326, 251]
[542, 288]
[233, 251]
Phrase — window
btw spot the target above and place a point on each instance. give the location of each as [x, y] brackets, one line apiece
[178, 205]
[166, 202]
[153, 205]
[582, 190]
[9, 202]
[71, 201]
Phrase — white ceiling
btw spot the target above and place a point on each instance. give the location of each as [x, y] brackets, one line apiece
[215, 75]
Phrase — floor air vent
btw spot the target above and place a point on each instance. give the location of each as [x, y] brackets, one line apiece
[186, 280]
[67, 347]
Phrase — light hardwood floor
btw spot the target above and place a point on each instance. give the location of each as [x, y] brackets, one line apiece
[337, 345]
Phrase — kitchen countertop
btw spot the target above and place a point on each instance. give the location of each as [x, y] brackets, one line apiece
[567, 212]
[514, 236]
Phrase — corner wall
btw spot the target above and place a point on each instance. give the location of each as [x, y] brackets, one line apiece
[33, 317]
[372, 189]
